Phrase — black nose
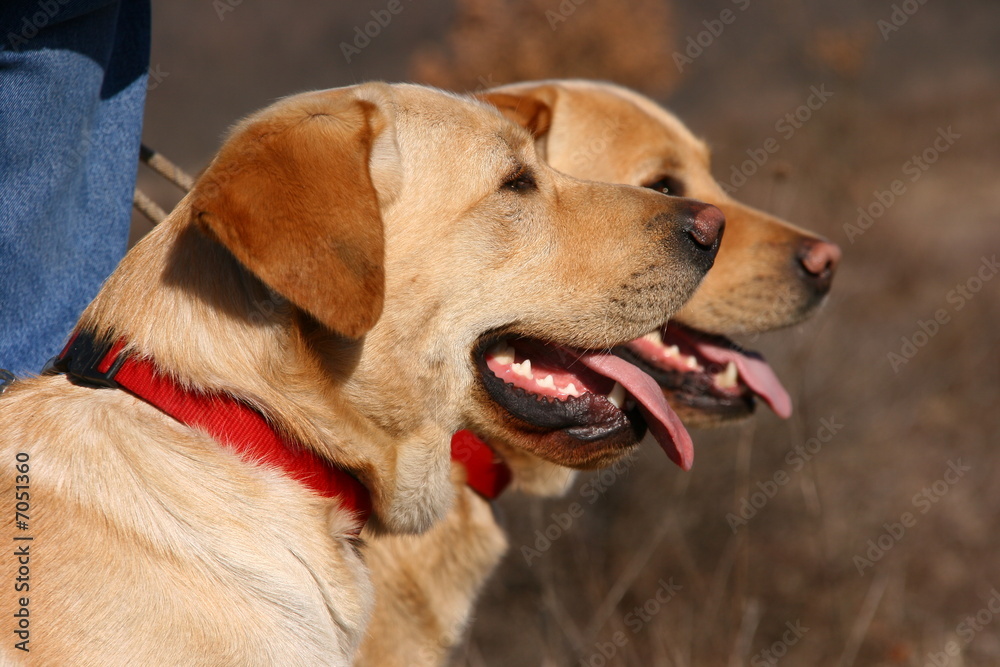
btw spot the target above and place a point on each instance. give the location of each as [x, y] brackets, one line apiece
[703, 225]
[818, 260]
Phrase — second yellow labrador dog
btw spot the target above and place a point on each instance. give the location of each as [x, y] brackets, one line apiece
[768, 274]
[292, 349]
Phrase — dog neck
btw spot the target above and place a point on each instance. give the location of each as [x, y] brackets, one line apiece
[181, 299]
[229, 422]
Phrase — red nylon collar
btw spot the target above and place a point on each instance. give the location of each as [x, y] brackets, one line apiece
[486, 472]
[229, 421]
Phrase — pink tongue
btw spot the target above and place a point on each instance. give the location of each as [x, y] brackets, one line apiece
[663, 423]
[755, 372]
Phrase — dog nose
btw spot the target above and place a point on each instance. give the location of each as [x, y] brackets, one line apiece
[705, 225]
[818, 259]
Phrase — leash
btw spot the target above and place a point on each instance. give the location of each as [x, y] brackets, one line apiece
[168, 170]
[227, 420]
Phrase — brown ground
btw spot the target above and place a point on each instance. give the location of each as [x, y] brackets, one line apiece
[795, 561]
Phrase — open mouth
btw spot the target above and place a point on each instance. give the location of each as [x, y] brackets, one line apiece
[707, 372]
[590, 396]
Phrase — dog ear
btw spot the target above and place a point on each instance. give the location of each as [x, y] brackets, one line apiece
[530, 106]
[531, 113]
[291, 196]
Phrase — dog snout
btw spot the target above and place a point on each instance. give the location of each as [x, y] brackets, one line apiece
[818, 260]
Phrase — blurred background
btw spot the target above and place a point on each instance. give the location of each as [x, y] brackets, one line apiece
[877, 542]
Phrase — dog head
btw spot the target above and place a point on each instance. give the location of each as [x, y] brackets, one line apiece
[423, 254]
[768, 274]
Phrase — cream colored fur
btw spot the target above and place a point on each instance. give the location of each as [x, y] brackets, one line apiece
[334, 266]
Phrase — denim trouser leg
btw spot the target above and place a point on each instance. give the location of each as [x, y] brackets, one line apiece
[72, 90]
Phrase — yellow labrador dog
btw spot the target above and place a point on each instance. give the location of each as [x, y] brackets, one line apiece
[292, 349]
[768, 274]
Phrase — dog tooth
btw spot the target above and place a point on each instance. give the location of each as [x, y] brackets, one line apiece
[502, 353]
[672, 351]
[571, 390]
[523, 369]
[654, 337]
[617, 395]
[547, 382]
[727, 378]
[692, 363]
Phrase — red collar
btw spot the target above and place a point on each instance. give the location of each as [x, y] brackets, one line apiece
[229, 421]
[486, 472]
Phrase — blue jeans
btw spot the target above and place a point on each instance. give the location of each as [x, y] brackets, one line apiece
[72, 89]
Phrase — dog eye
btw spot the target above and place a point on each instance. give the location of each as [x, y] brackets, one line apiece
[668, 185]
[522, 181]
